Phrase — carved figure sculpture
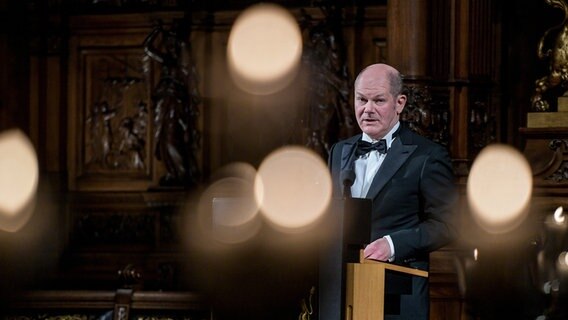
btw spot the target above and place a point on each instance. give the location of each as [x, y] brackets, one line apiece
[131, 145]
[329, 115]
[175, 101]
[558, 59]
[101, 131]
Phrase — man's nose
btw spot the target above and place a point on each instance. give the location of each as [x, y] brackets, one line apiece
[368, 107]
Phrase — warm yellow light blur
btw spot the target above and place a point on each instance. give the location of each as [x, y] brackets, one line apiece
[233, 219]
[264, 49]
[19, 176]
[241, 170]
[228, 208]
[236, 207]
[499, 188]
[562, 262]
[559, 217]
[293, 188]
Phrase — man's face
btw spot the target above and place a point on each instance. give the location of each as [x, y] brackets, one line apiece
[376, 109]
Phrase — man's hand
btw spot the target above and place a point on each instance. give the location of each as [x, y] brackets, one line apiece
[378, 250]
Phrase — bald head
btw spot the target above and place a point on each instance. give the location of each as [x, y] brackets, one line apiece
[378, 99]
[378, 71]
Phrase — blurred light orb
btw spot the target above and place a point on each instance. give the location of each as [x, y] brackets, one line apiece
[559, 216]
[228, 210]
[238, 204]
[499, 188]
[233, 219]
[264, 49]
[562, 262]
[241, 170]
[293, 188]
[19, 177]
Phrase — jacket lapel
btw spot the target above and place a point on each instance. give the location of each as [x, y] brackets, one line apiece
[347, 151]
[396, 157]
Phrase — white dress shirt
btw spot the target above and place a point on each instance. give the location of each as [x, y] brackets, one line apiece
[366, 168]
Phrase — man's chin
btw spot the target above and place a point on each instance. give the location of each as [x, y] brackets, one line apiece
[373, 133]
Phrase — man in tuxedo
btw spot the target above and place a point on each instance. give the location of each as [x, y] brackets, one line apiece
[408, 178]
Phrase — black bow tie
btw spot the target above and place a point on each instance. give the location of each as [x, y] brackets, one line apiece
[364, 147]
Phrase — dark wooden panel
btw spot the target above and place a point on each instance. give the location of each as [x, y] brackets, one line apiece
[91, 304]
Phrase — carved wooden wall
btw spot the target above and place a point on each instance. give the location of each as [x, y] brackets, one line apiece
[121, 304]
[460, 59]
[110, 133]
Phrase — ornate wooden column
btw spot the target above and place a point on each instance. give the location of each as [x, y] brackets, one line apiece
[410, 49]
[407, 37]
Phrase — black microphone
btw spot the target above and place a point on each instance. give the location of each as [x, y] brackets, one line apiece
[347, 176]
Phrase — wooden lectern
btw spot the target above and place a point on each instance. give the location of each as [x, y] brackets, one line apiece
[365, 287]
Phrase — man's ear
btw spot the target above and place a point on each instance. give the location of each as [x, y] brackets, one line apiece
[400, 103]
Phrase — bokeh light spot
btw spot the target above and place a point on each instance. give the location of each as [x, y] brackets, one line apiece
[227, 208]
[233, 219]
[559, 216]
[562, 262]
[293, 188]
[19, 176]
[499, 188]
[264, 49]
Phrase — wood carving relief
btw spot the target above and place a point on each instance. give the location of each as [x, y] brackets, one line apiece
[560, 148]
[546, 150]
[117, 115]
[107, 228]
[133, 108]
[329, 116]
[107, 305]
[110, 132]
[425, 116]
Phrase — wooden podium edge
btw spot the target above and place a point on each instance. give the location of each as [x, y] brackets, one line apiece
[394, 267]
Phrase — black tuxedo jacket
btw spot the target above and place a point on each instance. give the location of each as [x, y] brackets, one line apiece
[413, 197]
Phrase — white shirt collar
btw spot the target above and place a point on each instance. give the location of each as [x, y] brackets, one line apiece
[388, 137]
